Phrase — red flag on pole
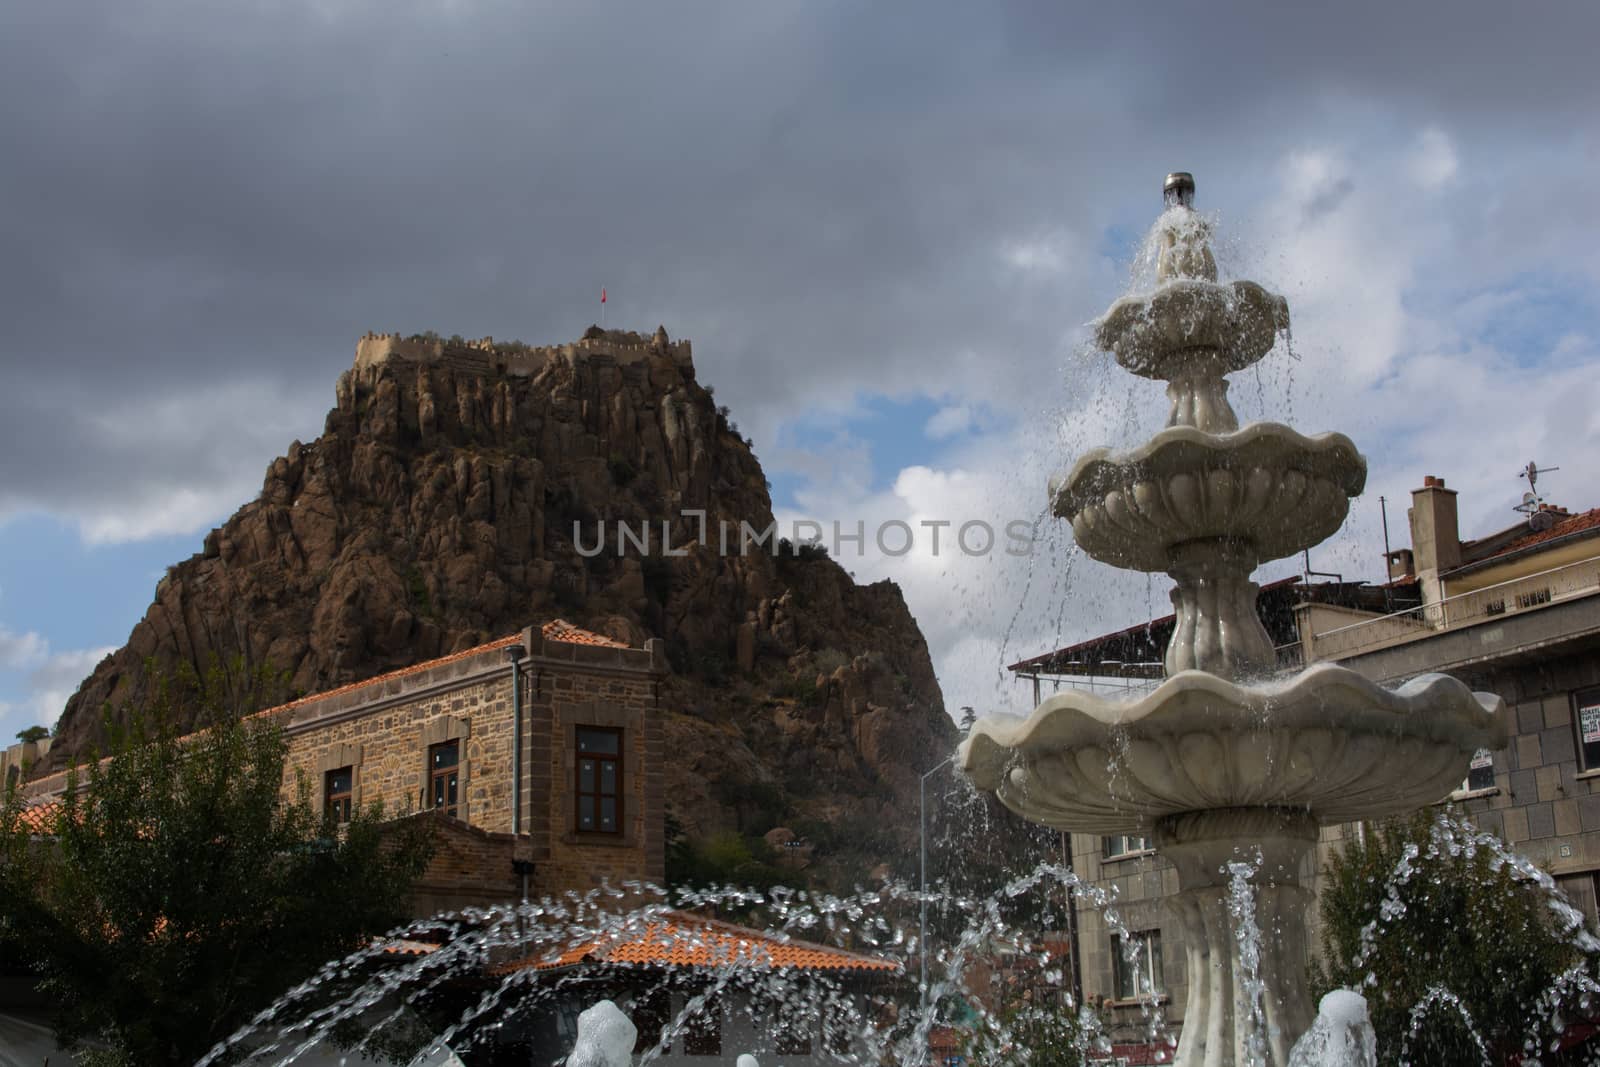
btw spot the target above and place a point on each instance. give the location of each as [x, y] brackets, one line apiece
[602, 294]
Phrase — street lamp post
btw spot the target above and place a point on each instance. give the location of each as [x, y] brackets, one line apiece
[922, 841]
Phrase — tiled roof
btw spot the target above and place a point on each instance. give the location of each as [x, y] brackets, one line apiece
[563, 631]
[404, 946]
[555, 630]
[680, 939]
[387, 676]
[1564, 527]
[41, 818]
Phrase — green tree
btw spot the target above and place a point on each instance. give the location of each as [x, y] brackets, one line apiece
[180, 893]
[33, 733]
[1425, 910]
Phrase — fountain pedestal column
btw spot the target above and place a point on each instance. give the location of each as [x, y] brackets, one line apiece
[1218, 629]
[1217, 1023]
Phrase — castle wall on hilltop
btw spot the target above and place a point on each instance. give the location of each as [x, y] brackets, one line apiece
[485, 356]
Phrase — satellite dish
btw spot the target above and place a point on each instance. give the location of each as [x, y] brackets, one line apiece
[1529, 500]
[1540, 521]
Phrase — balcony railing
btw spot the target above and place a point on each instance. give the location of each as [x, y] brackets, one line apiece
[1528, 593]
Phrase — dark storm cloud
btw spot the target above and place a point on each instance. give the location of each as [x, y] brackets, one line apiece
[216, 200]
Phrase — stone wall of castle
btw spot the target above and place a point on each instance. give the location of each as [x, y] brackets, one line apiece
[487, 357]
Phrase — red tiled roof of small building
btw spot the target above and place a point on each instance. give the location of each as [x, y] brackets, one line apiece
[554, 630]
[1565, 526]
[563, 631]
[404, 946]
[41, 818]
[679, 939]
[387, 676]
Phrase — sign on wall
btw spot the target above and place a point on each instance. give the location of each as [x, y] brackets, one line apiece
[1589, 721]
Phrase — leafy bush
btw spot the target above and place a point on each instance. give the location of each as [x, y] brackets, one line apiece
[1462, 921]
[179, 892]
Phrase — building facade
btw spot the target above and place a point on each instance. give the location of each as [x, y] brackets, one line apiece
[537, 755]
[1516, 613]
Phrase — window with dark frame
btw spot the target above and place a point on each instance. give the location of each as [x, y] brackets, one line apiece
[790, 1036]
[444, 777]
[838, 1024]
[1586, 722]
[791, 1028]
[702, 1032]
[1480, 772]
[1579, 889]
[598, 786]
[1143, 974]
[338, 787]
[651, 1015]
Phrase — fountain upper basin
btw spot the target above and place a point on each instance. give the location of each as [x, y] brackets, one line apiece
[1326, 742]
[1191, 326]
[1266, 487]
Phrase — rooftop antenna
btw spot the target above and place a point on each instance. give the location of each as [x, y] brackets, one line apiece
[1539, 519]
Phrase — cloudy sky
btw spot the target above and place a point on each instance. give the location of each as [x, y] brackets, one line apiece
[883, 225]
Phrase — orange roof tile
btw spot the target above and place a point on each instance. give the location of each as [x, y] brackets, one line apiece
[681, 939]
[404, 946]
[563, 631]
[1564, 527]
[402, 672]
[41, 818]
[554, 630]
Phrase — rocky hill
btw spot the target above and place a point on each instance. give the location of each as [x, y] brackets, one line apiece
[437, 511]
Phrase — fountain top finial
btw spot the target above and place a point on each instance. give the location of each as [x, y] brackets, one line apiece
[1178, 190]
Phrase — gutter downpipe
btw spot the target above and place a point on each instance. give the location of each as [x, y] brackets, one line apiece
[515, 654]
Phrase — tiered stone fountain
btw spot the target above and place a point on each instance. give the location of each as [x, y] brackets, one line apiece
[1224, 762]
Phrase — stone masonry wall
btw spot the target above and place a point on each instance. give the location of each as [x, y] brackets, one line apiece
[589, 691]
[383, 731]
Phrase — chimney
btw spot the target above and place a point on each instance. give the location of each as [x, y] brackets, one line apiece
[1435, 536]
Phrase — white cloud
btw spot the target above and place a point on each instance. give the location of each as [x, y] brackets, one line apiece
[1433, 161]
[45, 679]
[949, 422]
[22, 650]
[1043, 255]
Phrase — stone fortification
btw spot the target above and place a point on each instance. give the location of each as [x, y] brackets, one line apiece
[486, 356]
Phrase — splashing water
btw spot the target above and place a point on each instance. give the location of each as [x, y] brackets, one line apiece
[497, 968]
[1341, 1036]
[1247, 933]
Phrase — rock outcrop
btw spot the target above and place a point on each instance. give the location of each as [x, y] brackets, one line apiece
[440, 508]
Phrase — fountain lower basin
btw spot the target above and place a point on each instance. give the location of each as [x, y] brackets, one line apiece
[1233, 783]
[1327, 743]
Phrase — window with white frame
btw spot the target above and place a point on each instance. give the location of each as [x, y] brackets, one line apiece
[1124, 845]
[1136, 969]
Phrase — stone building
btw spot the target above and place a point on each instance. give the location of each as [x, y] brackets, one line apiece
[538, 755]
[1515, 613]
